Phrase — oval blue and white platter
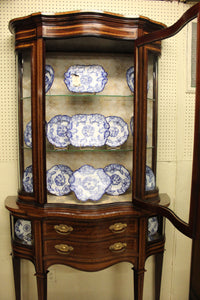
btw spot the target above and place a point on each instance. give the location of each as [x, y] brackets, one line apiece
[120, 179]
[49, 77]
[58, 180]
[118, 131]
[57, 129]
[89, 183]
[150, 182]
[28, 135]
[130, 78]
[85, 78]
[89, 130]
[28, 179]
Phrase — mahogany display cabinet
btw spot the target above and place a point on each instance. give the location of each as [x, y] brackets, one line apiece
[87, 103]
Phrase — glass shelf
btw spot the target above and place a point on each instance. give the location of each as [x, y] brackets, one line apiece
[90, 97]
[70, 148]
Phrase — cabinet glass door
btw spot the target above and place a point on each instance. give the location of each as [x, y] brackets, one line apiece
[25, 127]
[89, 117]
[177, 157]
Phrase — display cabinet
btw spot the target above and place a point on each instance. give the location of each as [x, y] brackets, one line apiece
[79, 139]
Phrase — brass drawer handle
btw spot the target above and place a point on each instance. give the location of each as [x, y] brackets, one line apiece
[63, 229]
[118, 227]
[63, 248]
[118, 247]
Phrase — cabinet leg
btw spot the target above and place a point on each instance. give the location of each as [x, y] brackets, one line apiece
[17, 276]
[158, 274]
[42, 286]
[138, 284]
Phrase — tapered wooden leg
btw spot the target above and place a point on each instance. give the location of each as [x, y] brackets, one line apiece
[138, 284]
[42, 286]
[158, 274]
[17, 276]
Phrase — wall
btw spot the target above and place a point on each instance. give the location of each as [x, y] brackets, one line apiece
[174, 160]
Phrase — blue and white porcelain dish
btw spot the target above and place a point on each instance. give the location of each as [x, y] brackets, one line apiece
[118, 131]
[58, 180]
[23, 231]
[88, 130]
[85, 78]
[152, 226]
[49, 77]
[150, 182]
[120, 179]
[57, 129]
[89, 183]
[28, 180]
[28, 135]
[131, 124]
[130, 78]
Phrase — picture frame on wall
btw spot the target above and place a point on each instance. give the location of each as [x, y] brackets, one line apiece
[191, 56]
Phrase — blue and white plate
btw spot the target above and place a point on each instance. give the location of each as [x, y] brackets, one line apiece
[28, 180]
[89, 183]
[58, 180]
[131, 124]
[85, 78]
[49, 77]
[57, 129]
[28, 134]
[120, 179]
[23, 230]
[150, 182]
[118, 131]
[130, 78]
[152, 226]
[88, 130]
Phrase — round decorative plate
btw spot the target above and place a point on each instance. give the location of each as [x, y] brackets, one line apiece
[85, 78]
[58, 180]
[28, 134]
[130, 78]
[89, 183]
[88, 130]
[131, 124]
[152, 226]
[28, 179]
[49, 77]
[120, 179]
[57, 131]
[23, 230]
[150, 182]
[118, 131]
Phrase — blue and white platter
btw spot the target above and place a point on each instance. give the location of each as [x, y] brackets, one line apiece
[152, 226]
[49, 77]
[57, 129]
[28, 134]
[130, 78]
[28, 179]
[23, 231]
[89, 183]
[120, 179]
[88, 130]
[85, 78]
[118, 131]
[58, 180]
[150, 182]
[131, 124]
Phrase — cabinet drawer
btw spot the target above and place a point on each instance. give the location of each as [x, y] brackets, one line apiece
[90, 230]
[91, 251]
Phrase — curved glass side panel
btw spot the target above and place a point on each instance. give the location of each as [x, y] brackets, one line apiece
[25, 126]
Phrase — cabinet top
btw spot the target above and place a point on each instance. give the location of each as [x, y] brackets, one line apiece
[78, 23]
